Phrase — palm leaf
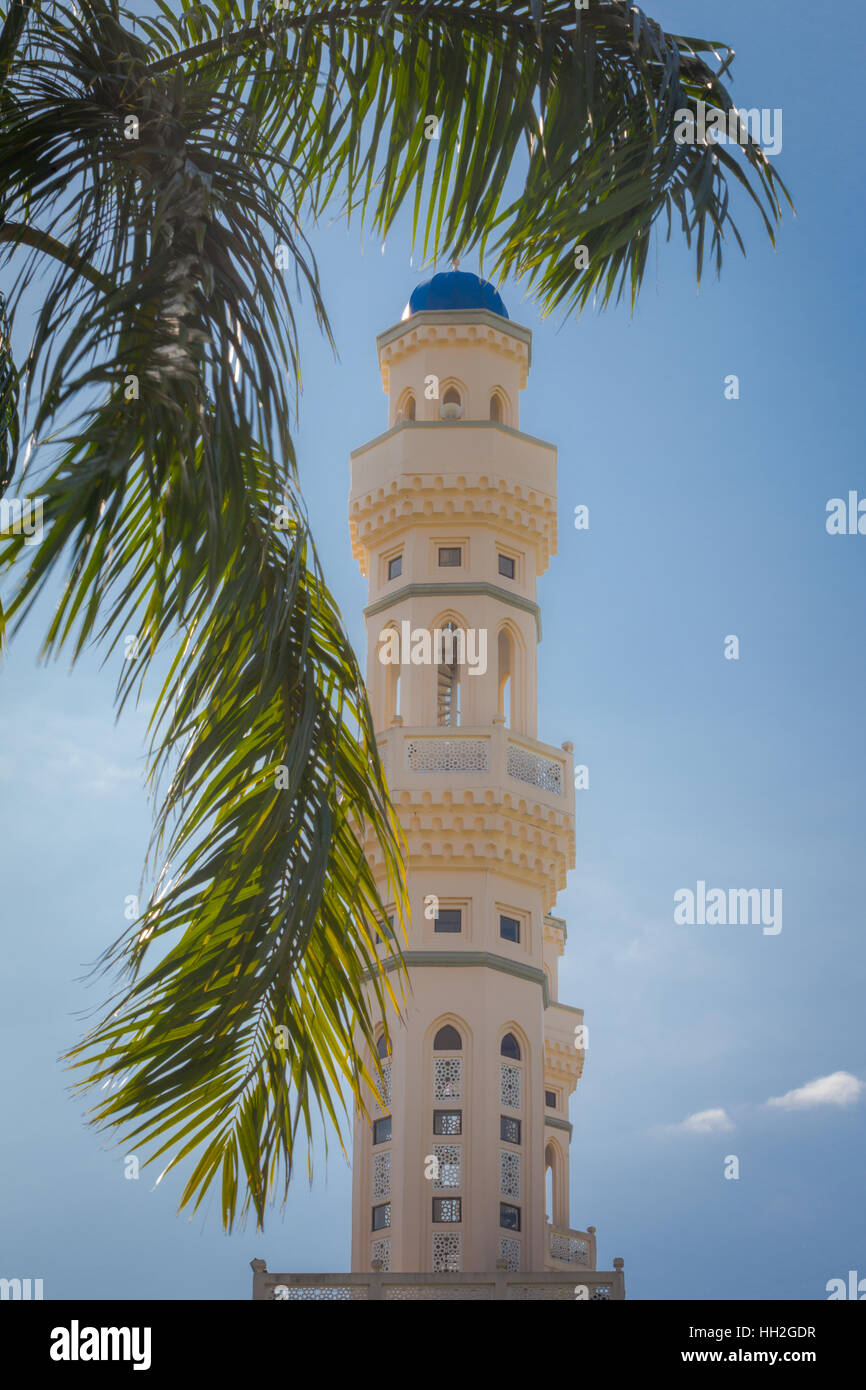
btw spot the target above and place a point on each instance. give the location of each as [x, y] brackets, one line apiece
[149, 174]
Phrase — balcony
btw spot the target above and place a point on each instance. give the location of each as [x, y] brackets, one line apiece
[498, 1285]
[567, 1249]
[492, 755]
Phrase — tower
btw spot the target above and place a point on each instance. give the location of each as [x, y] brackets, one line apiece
[453, 519]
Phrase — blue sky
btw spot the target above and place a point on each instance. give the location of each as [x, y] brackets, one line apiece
[706, 519]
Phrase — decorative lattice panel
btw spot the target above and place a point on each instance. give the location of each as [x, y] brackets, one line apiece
[545, 773]
[438, 1293]
[509, 1174]
[542, 1293]
[569, 1248]
[381, 1250]
[448, 755]
[448, 1156]
[386, 1086]
[446, 1253]
[289, 1292]
[385, 1215]
[509, 1251]
[600, 1292]
[447, 1078]
[381, 1176]
[448, 1209]
[509, 1086]
[449, 1124]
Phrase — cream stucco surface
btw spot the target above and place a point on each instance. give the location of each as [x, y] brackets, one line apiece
[488, 810]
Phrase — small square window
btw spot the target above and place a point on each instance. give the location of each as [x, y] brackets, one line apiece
[509, 1216]
[506, 566]
[447, 1121]
[509, 1129]
[550, 1100]
[509, 929]
[448, 1209]
[385, 932]
[449, 919]
[382, 1130]
[450, 555]
[382, 1216]
[395, 566]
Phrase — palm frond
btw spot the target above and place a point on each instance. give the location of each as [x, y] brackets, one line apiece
[345, 90]
[151, 170]
[10, 428]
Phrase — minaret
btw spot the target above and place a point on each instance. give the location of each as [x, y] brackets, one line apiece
[453, 518]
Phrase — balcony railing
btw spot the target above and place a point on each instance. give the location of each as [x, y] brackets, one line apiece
[447, 754]
[493, 752]
[525, 766]
[575, 1249]
[552, 1286]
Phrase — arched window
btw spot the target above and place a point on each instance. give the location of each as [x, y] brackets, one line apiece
[382, 1048]
[496, 408]
[549, 1180]
[448, 680]
[447, 1040]
[510, 1047]
[506, 669]
[409, 408]
[451, 406]
[391, 674]
[393, 696]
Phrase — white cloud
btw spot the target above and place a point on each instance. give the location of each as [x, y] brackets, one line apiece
[840, 1088]
[704, 1122]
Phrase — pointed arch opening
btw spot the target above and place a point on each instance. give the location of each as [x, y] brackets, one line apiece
[448, 1040]
[512, 666]
[392, 681]
[448, 676]
[500, 408]
[452, 400]
[505, 653]
[549, 1184]
[510, 1047]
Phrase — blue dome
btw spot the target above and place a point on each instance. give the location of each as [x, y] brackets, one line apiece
[455, 289]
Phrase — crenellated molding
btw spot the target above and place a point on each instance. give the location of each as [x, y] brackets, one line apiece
[455, 328]
[562, 1067]
[555, 934]
[523, 511]
[534, 848]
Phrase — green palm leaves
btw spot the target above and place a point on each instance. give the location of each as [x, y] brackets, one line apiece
[156, 178]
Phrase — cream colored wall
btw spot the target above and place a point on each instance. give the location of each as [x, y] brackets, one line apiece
[479, 692]
[451, 474]
[475, 370]
[482, 841]
[483, 1005]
